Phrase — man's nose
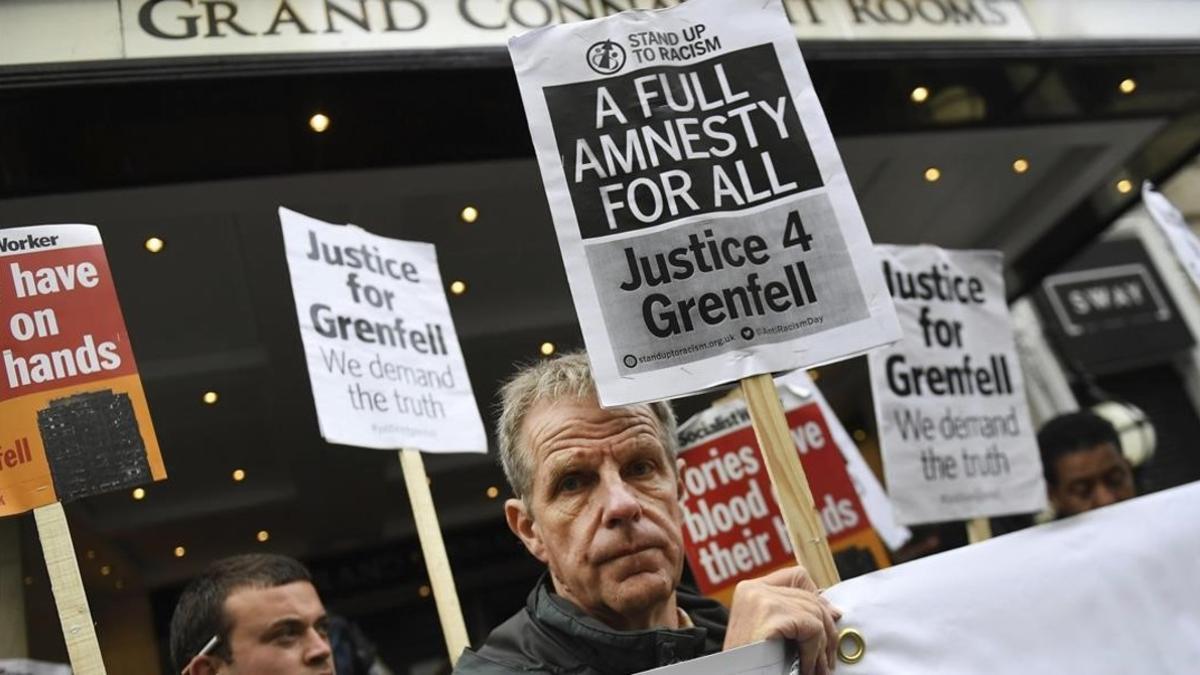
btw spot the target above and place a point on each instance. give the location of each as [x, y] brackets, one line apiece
[318, 650]
[1104, 495]
[620, 504]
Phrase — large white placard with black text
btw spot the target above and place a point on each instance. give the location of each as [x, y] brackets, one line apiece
[386, 368]
[950, 404]
[706, 222]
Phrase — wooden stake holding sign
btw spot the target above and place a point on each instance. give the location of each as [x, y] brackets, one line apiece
[433, 548]
[979, 529]
[791, 486]
[74, 613]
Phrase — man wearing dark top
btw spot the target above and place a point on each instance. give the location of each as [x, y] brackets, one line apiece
[1083, 463]
[597, 500]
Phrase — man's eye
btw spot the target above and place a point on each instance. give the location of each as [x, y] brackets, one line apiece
[641, 468]
[570, 483]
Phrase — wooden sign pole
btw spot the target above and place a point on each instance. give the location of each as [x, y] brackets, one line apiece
[791, 487]
[434, 549]
[978, 529]
[73, 612]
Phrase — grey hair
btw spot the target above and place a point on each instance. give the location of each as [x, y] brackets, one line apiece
[568, 376]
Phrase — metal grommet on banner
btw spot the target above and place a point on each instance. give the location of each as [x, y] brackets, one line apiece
[855, 642]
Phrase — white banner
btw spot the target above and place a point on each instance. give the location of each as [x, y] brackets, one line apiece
[1111, 591]
[382, 353]
[950, 403]
[706, 222]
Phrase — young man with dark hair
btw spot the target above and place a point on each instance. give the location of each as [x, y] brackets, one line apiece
[251, 615]
[1083, 464]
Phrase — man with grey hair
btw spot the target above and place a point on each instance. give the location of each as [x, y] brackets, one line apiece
[597, 500]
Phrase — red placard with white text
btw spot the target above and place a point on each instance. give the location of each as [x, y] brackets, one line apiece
[733, 529]
[73, 416]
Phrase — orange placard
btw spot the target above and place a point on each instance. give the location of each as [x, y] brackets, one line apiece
[73, 416]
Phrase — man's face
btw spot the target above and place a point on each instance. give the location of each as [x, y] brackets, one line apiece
[1091, 478]
[277, 631]
[603, 508]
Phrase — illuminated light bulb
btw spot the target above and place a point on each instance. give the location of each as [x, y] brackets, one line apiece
[424, 591]
[139, 494]
[319, 122]
[263, 536]
[493, 492]
[180, 551]
[239, 475]
[547, 348]
[469, 214]
[1124, 186]
[211, 397]
[154, 244]
[458, 287]
[1020, 165]
[1128, 85]
[932, 174]
[105, 571]
[920, 95]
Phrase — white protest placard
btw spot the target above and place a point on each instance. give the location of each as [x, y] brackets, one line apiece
[383, 357]
[950, 403]
[1108, 592]
[707, 226]
[1184, 241]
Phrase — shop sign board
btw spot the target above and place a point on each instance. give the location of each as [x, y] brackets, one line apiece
[383, 357]
[1110, 310]
[35, 31]
[74, 421]
[954, 425]
[706, 222]
[733, 529]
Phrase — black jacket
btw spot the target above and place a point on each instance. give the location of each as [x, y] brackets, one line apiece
[551, 636]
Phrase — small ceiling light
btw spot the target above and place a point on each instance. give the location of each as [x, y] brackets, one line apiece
[1128, 85]
[1124, 186]
[424, 591]
[493, 492]
[28, 581]
[319, 123]
[105, 570]
[920, 94]
[547, 349]
[139, 494]
[211, 397]
[860, 435]
[469, 214]
[120, 584]
[154, 244]
[458, 287]
[1020, 165]
[239, 475]
[180, 551]
[91, 555]
[263, 536]
[932, 174]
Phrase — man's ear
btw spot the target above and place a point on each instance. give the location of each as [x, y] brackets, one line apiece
[520, 521]
[203, 665]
